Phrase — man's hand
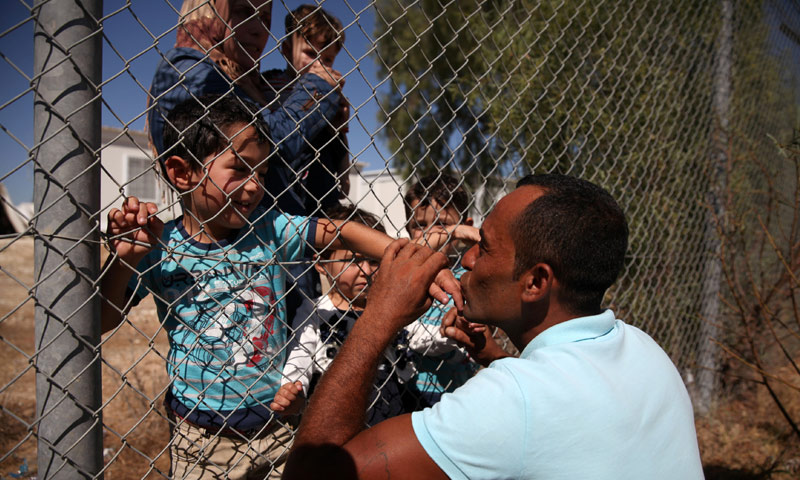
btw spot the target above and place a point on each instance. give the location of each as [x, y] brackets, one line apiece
[289, 400]
[400, 292]
[134, 230]
[475, 338]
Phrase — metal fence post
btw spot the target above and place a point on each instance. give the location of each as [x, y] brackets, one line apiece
[67, 69]
[708, 355]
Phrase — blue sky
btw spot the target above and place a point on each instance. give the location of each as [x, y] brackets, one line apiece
[126, 29]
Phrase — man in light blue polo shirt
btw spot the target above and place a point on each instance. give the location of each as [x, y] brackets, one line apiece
[589, 397]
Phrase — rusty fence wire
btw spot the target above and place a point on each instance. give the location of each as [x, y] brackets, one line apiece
[663, 103]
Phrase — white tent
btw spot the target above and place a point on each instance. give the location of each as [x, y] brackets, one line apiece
[12, 219]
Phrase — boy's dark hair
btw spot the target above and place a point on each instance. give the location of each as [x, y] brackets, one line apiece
[313, 21]
[352, 214]
[199, 127]
[440, 188]
[578, 229]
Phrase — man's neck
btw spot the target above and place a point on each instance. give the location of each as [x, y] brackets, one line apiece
[554, 315]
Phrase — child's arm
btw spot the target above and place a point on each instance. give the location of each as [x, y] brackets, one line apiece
[438, 237]
[341, 234]
[132, 235]
[289, 400]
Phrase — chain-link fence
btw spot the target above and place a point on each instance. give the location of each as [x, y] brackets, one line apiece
[660, 102]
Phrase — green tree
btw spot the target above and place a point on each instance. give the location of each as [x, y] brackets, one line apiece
[617, 92]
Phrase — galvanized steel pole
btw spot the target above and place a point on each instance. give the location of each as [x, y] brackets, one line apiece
[708, 354]
[67, 71]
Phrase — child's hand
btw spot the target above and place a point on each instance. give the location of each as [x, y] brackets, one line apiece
[474, 337]
[134, 230]
[289, 400]
[437, 237]
[333, 77]
[445, 283]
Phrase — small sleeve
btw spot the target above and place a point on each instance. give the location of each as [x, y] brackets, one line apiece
[489, 407]
[303, 346]
[293, 234]
[424, 336]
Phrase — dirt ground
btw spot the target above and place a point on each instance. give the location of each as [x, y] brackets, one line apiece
[745, 438]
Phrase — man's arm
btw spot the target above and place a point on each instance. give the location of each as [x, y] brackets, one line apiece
[330, 442]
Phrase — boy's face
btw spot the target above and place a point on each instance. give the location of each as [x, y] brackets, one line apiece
[349, 278]
[430, 217]
[231, 186]
[300, 53]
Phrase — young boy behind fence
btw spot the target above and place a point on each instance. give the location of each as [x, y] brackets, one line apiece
[323, 324]
[437, 209]
[314, 35]
[217, 280]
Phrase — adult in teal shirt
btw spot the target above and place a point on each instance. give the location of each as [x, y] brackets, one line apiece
[589, 397]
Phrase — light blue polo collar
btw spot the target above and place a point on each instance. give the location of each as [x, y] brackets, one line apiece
[575, 330]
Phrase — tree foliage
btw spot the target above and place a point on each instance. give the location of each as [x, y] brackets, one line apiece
[617, 92]
[496, 88]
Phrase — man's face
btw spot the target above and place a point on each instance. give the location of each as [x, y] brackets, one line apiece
[491, 294]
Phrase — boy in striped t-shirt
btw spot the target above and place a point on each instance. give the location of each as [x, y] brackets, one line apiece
[218, 280]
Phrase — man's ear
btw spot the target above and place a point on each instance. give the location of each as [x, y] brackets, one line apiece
[179, 173]
[468, 221]
[537, 283]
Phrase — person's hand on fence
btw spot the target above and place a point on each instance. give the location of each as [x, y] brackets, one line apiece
[289, 400]
[405, 283]
[437, 237]
[134, 230]
[474, 337]
[333, 77]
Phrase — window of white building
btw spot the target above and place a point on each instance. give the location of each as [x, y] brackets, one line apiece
[142, 181]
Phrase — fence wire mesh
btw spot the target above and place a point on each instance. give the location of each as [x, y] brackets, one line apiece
[654, 100]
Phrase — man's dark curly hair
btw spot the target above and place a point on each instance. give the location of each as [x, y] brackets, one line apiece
[578, 229]
[200, 127]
